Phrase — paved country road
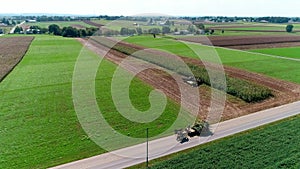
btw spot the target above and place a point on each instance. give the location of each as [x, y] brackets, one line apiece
[161, 147]
[14, 28]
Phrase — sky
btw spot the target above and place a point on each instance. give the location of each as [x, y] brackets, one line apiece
[254, 8]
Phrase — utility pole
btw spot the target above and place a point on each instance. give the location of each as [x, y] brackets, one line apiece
[147, 156]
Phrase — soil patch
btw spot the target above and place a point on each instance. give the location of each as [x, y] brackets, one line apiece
[93, 23]
[12, 51]
[246, 42]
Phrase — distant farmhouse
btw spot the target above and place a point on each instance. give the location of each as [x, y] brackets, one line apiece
[182, 32]
[264, 21]
[33, 31]
[30, 20]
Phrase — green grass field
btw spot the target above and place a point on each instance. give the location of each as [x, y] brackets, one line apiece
[291, 52]
[61, 24]
[38, 124]
[255, 62]
[118, 24]
[272, 146]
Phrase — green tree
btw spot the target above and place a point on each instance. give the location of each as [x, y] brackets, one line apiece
[70, 32]
[150, 22]
[191, 29]
[168, 23]
[54, 29]
[7, 22]
[166, 29]
[206, 30]
[18, 29]
[289, 28]
[154, 31]
[83, 33]
[200, 26]
[124, 31]
[35, 31]
[91, 31]
[131, 31]
[43, 30]
[139, 31]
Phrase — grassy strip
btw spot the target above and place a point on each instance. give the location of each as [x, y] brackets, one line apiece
[291, 52]
[242, 89]
[272, 146]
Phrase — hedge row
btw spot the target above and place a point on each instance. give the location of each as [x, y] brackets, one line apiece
[243, 89]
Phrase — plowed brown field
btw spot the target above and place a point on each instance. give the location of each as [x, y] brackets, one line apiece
[246, 42]
[12, 51]
[93, 23]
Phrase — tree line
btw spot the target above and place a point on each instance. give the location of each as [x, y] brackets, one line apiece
[71, 31]
[9, 22]
[45, 18]
[56, 30]
[273, 19]
[270, 19]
